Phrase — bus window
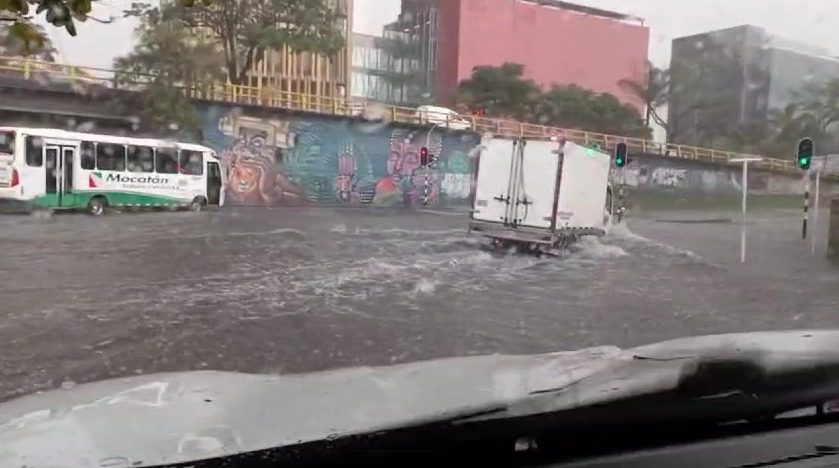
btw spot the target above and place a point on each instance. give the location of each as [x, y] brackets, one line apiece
[191, 162]
[110, 157]
[167, 161]
[140, 159]
[7, 142]
[34, 151]
[88, 157]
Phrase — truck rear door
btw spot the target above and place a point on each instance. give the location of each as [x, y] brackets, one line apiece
[536, 190]
[516, 183]
[493, 182]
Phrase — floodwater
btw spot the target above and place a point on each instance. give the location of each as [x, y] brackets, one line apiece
[294, 290]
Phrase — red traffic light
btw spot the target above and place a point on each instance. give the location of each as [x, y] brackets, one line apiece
[424, 156]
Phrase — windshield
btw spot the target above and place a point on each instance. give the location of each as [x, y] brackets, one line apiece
[418, 180]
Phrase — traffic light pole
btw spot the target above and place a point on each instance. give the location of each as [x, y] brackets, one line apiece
[427, 178]
[621, 193]
[806, 204]
[621, 157]
[805, 150]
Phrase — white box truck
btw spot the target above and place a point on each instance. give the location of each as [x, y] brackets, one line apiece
[540, 195]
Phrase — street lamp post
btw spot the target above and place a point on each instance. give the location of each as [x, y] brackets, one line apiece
[745, 189]
[820, 164]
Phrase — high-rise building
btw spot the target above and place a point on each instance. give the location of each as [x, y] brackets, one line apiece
[727, 79]
[411, 52]
[557, 42]
[369, 68]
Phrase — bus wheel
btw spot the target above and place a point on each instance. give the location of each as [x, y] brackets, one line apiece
[198, 204]
[97, 206]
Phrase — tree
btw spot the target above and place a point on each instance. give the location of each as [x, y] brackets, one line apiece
[653, 92]
[570, 106]
[167, 59]
[60, 13]
[504, 92]
[18, 15]
[500, 92]
[819, 108]
[24, 39]
[813, 112]
[246, 29]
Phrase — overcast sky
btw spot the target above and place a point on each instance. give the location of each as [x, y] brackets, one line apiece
[811, 21]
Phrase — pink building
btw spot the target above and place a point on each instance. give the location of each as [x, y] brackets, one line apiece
[556, 41]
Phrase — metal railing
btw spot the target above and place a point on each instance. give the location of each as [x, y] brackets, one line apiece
[48, 72]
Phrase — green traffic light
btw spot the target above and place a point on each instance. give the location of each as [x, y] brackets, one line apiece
[805, 153]
[620, 155]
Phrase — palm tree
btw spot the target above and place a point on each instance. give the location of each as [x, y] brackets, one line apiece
[26, 39]
[653, 92]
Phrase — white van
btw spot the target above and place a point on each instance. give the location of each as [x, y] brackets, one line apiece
[443, 117]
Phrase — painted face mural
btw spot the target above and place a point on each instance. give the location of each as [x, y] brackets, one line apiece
[345, 177]
[312, 159]
[255, 164]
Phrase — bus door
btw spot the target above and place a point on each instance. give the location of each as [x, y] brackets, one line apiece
[58, 162]
[213, 183]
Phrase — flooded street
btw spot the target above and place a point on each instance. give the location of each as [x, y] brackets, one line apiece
[291, 290]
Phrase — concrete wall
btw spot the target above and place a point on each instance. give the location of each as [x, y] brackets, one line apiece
[657, 173]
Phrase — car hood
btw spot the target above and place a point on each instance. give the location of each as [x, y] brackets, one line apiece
[187, 416]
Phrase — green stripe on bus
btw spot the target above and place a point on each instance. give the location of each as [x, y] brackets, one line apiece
[114, 198]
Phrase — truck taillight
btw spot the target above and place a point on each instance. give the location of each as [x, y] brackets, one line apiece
[15, 178]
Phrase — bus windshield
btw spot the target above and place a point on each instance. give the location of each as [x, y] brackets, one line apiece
[7, 142]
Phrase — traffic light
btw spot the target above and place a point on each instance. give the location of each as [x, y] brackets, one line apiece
[424, 156]
[620, 155]
[805, 153]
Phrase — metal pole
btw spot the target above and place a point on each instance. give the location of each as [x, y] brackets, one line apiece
[427, 177]
[806, 203]
[621, 193]
[815, 214]
[745, 188]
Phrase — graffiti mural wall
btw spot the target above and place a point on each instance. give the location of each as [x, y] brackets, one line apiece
[660, 174]
[277, 159]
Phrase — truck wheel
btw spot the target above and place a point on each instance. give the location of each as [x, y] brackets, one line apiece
[97, 205]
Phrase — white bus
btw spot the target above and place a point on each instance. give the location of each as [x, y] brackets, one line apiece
[57, 169]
